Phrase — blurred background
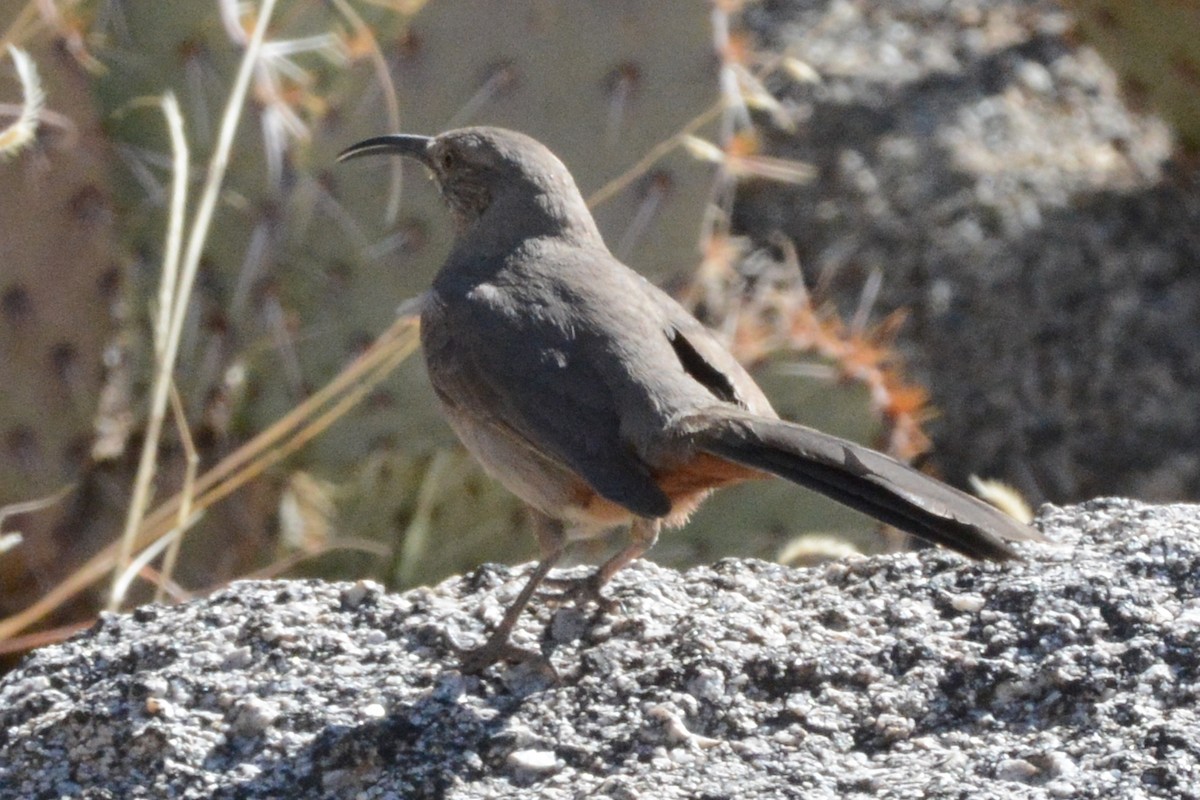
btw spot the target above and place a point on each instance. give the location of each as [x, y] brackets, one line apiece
[964, 232]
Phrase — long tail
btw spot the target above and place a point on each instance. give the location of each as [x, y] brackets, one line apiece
[865, 480]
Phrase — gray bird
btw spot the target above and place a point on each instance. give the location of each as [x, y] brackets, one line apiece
[599, 400]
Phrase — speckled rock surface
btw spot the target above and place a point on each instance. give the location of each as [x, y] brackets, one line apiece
[1073, 674]
[1034, 227]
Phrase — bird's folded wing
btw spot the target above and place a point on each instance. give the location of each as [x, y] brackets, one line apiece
[535, 379]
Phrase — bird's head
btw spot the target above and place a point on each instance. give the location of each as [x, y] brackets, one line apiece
[494, 172]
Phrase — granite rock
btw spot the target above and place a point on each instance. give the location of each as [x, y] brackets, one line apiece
[1070, 674]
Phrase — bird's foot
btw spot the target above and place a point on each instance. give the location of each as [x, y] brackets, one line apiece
[475, 660]
[579, 591]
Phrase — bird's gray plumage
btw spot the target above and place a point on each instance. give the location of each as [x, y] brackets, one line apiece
[575, 381]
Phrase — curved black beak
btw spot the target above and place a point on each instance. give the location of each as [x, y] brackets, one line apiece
[400, 144]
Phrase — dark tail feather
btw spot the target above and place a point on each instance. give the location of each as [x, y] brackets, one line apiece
[867, 481]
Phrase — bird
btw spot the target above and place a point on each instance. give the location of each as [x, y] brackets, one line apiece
[598, 399]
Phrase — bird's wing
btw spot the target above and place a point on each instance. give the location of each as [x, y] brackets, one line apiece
[706, 359]
[516, 359]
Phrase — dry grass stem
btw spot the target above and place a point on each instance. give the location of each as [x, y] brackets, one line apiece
[23, 129]
[643, 165]
[390, 96]
[302, 423]
[186, 494]
[197, 236]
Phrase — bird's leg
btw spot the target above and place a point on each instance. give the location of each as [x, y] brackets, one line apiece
[551, 542]
[643, 533]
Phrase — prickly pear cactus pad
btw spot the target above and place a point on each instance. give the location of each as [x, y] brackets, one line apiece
[305, 267]
[59, 290]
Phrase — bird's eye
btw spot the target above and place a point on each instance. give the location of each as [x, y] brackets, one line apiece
[448, 159]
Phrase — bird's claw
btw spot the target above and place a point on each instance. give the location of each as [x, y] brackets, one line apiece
[475, 660]
[579, 591]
